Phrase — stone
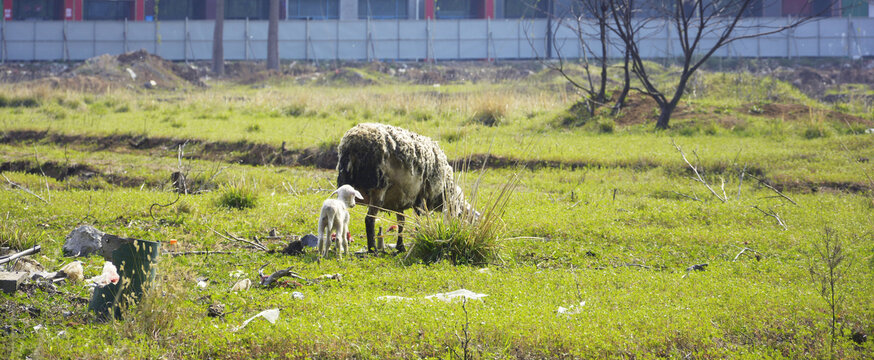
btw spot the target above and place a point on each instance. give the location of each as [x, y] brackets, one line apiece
[9, 281]
[83, 241]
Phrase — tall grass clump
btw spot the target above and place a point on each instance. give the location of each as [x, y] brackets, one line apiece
[238, 196]
[13, 236]
[462, 236]
[489, 112]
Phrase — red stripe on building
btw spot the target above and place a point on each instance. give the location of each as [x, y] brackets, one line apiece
[429, 9]
[7, 9]
[489, 9]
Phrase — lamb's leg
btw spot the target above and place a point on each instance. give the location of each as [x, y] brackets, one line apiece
[369, 224]
[400, 244]
[341, 237]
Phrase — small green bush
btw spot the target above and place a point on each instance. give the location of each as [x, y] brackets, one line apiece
[253, 128]
[815, 131]
[11, 235]
[28, 102]
[606, 125]
[238, 197]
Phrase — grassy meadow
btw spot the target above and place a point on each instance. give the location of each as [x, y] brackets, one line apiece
[606, 218]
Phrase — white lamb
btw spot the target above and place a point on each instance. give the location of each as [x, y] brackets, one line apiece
[335, 219]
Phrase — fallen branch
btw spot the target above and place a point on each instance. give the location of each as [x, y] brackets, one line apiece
[775, 190]
[267, 281]
[231, 237]
[687, 196]
[696, 267]
[22, 188]
[744, 250]
[635, 265]
[697, 174]
[12, 257]
[181, 253]
[773, 214]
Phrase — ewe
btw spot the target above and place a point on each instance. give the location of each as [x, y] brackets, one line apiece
[396, 169]
[334, 218]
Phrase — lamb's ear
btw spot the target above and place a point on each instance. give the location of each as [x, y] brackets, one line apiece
[358, 195]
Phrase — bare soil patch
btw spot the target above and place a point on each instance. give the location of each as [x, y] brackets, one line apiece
[798, 112]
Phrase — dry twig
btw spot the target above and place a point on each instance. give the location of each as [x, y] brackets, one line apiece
[773, 214]
[697, 174]
[22, 188]
[267, 281]
[775, 190]
[231, 237]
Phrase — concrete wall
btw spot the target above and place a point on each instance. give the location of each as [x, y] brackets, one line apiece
[398, 39]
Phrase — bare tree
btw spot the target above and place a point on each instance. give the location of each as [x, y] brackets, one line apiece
[702, 27]
[273, 36]
[584, 15]
[218, 36]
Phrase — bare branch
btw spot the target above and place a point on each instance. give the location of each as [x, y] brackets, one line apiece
[22, 188]
[773, 214]
[697, 174]
[775, 190]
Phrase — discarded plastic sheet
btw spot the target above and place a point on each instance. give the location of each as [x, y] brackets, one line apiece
[237, 273]
[270, 315]
[309, 240]
[394, 298]
[297, 295]
[242, 285]
[462, 293]
[574, 309]
[109, 275]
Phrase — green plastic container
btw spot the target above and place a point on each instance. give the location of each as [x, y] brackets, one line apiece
[135, 261]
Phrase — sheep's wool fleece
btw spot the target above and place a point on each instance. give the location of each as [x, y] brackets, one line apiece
[367, 149]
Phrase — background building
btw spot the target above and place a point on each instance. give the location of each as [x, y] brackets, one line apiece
[146, 10]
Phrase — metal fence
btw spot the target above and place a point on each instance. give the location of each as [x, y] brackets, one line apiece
[401, 39]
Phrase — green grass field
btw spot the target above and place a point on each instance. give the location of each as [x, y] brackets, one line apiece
[606, 217]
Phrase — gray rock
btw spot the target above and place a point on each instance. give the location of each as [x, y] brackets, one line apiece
[310, 240]
[83, 241]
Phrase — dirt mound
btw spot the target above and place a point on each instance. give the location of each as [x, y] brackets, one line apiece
[106, 72]
[638, 109]
[797, 112]
[817, 81]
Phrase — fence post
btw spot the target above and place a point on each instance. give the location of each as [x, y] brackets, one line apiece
[185, 42]
[66, 54]
[124, 36]
[306, 44]
[3, 39]
[246, 40]
[94, 39]
[337, 41]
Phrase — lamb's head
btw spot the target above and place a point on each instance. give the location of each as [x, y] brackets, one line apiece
[458, 206]
[347, 194]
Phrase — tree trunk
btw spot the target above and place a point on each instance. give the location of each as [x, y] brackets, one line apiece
[602, 90]
[218, 35]
[620, 101]
[273, 36]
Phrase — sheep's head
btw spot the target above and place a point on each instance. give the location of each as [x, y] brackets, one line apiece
[347, 194]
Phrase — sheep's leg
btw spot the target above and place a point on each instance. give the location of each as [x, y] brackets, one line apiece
[369, 224]
[341, 240]
[400, 244]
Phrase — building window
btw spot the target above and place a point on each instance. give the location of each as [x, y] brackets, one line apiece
[458, 9]
[181, 9]
[247, 9]
[525, 8]
[38, 9]
[382, 9]
[314, 9]
[108, 9]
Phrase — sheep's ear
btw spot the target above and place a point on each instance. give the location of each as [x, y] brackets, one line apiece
[358, 195]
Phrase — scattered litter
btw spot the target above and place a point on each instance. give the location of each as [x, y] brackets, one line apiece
[296, 295]
[133, 75]
[83, 241]
[310, 240]
[869, 131]
[484, 271]
[151, 84]
[338, 277]
[202, 284]
[436, 85]
[448, 297]
[109, 275]
[242, 285]
[61, 333]
[28, 265]
[73, 271]
[394, 298]
[216, 310]
[236, 274]
[38, 328]
[574, 309]
[270, 315]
